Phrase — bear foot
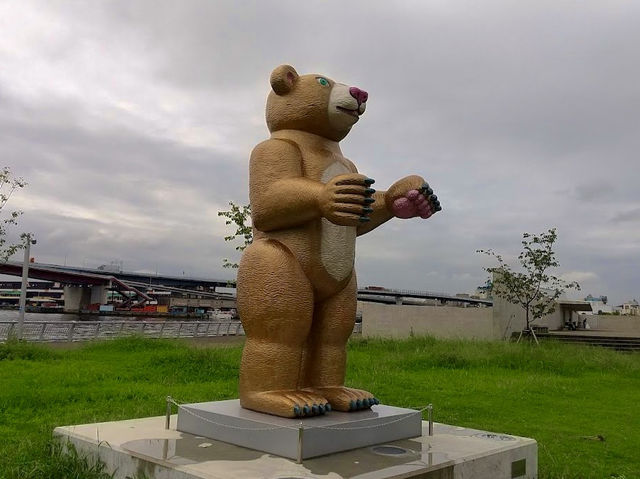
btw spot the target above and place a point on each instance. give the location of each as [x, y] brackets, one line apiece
[286, 403]
[346, 399]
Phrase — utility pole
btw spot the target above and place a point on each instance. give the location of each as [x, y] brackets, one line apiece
[25, 276]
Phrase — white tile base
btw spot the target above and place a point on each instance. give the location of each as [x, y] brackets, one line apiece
[144, 446]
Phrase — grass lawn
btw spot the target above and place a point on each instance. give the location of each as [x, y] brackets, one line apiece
[564, 396]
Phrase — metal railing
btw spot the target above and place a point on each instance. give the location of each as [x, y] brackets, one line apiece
[72, 331]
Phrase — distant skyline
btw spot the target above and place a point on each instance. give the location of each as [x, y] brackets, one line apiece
[133, 123]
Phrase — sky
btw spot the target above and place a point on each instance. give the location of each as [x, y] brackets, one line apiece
[133, 123]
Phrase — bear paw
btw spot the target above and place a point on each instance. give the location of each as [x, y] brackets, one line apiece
[287, 403]
[347, 399]
[422, 203]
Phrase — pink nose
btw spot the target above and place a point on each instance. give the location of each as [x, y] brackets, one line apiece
[359, 94]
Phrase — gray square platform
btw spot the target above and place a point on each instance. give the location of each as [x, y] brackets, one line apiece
[227, 421]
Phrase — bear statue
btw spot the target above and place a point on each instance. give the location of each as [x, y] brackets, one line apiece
[296, 286]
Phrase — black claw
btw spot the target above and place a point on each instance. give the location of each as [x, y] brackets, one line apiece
[438, 208]
[327, 407]
[369, 181]
[369, 200]
[315, 409]
[433, 198]
[369, 191]
[352, 405]
[426, 189]
[364, 219]
[359, 403]
[366, 210]
[296, 410]
[306, 410]
[376, 401]
[321, 408]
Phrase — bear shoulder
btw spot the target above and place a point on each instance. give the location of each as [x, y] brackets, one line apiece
[275, 158]
[275, 148]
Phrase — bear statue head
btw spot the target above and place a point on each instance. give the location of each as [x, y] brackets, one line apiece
[313, 103]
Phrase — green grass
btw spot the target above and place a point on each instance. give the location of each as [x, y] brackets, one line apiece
[561, 395]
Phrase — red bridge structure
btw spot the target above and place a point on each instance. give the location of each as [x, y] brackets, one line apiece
[80, 288]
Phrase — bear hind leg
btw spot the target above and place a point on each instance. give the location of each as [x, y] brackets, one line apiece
[326, 353]
[275, 303]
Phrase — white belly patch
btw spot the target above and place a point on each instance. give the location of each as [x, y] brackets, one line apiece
[337, 243]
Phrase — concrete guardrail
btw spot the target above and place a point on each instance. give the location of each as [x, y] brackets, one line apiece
[72, 331]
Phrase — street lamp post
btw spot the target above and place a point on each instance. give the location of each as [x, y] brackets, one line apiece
[23, 290]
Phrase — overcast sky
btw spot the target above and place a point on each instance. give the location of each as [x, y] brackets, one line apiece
[133, 122]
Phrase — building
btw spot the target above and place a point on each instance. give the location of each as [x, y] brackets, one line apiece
[631, 308]
[484, 291]
[598, 304]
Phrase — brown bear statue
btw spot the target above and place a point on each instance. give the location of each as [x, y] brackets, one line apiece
[296, 283]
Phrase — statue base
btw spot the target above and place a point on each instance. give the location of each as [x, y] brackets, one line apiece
[138, 447]
[301, 438]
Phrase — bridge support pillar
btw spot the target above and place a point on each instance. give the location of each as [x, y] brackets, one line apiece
[76, 298]
[398, 300]
[98, 294]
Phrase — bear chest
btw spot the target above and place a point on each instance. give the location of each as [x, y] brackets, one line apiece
[337, 243]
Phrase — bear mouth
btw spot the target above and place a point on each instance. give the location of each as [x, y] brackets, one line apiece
[348, 111]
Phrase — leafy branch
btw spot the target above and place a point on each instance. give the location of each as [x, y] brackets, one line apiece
[240, 216]
[8, 185]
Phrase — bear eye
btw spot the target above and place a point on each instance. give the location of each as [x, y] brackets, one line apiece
[323, 81]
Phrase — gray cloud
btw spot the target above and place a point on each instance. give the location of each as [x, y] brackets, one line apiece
[631, 215]
[133, 122]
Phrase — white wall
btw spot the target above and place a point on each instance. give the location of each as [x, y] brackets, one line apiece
[509, 318]
[400, 321]
[498, 322]
[627, 325]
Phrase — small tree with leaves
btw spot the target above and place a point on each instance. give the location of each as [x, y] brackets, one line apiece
[533, 288]
[8, 185]
[240, 217]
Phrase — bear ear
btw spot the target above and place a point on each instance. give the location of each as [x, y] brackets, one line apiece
[283, 79]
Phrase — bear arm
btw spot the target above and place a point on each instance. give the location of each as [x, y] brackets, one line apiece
[378, 216]
[280, 196]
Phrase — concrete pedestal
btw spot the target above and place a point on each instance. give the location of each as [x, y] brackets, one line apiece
[144, 447]
[310, 437]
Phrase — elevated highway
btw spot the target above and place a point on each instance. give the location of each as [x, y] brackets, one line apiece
[84, 286]
[151, 279]
[396, 296]
[80, 289]
[100, 280]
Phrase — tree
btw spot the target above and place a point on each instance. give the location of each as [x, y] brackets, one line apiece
[534, 289]
[240, 216]
[9, 184]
